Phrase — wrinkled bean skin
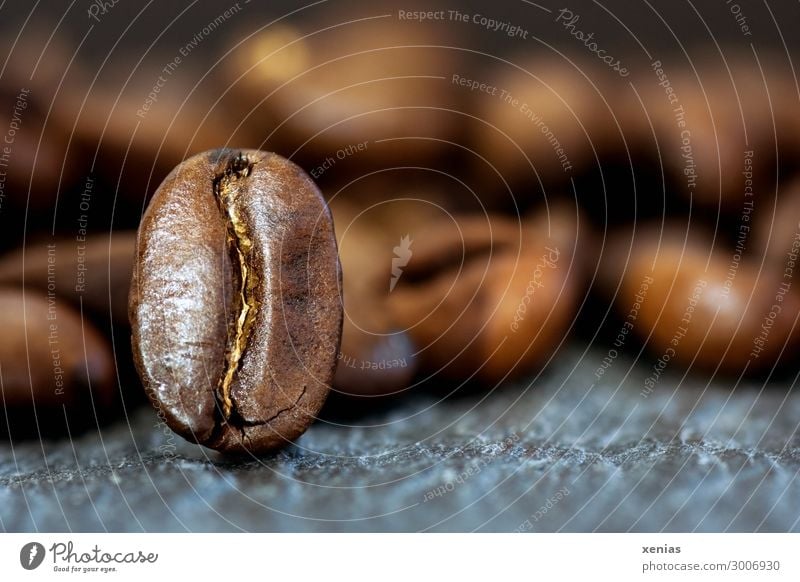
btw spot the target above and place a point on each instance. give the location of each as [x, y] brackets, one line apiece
[235, 306]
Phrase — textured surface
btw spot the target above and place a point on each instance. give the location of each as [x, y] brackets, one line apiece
[557, 454]
[234, 305]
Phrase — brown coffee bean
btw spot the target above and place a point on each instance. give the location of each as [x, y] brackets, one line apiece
[133, 143]
[378, 217]
[332, 92]
[776, 232]
[234, 303]
[95, 272]
[376, 357]
[492, 298]
[700, 309]
[37, 139]
[49, 356]
[36, 155]
[548, 120]
[720, 125]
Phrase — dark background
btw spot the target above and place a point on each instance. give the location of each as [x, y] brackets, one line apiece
[691, 28]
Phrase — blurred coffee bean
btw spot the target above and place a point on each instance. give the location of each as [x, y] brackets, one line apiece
[547, 121]
[95, 272]
[722, 127]
[403, 196]
[375, 357]
[696, 307]
[50, 357]
[34, 162]
[41, 58]
[34, 159]
[133, 141]
[776, 232]
[492, 298]
[333, 92]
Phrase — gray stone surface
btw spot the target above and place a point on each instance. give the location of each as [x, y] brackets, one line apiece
[555, 453]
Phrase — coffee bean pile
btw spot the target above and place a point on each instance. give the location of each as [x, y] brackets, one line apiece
[369, 210]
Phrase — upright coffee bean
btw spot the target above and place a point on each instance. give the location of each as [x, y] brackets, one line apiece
[234, 303]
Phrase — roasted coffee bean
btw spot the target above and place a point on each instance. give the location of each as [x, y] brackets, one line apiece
[133, 142]
[401, 195]
[93, 272]
[234, 304]
[697, 308]
[49, 356]
[378, 217]
[493, 298]
[555, 121]
[776, 232]
[376, 357]
[36, 170]
[36, 134]
[330, 93]
[721, 127]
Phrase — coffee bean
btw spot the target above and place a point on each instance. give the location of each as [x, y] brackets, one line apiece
[492, 298]
[50, 356]
[547, 121]
[376, 357]
[776, 232]
[94, 271]
[326, 92]
[132, 143]
[378, 217]
[701, 310]
[722, 128]
[36, 168]
[36, 171]
[234, 304]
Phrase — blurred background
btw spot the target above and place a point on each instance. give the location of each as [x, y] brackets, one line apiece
[568, 235]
